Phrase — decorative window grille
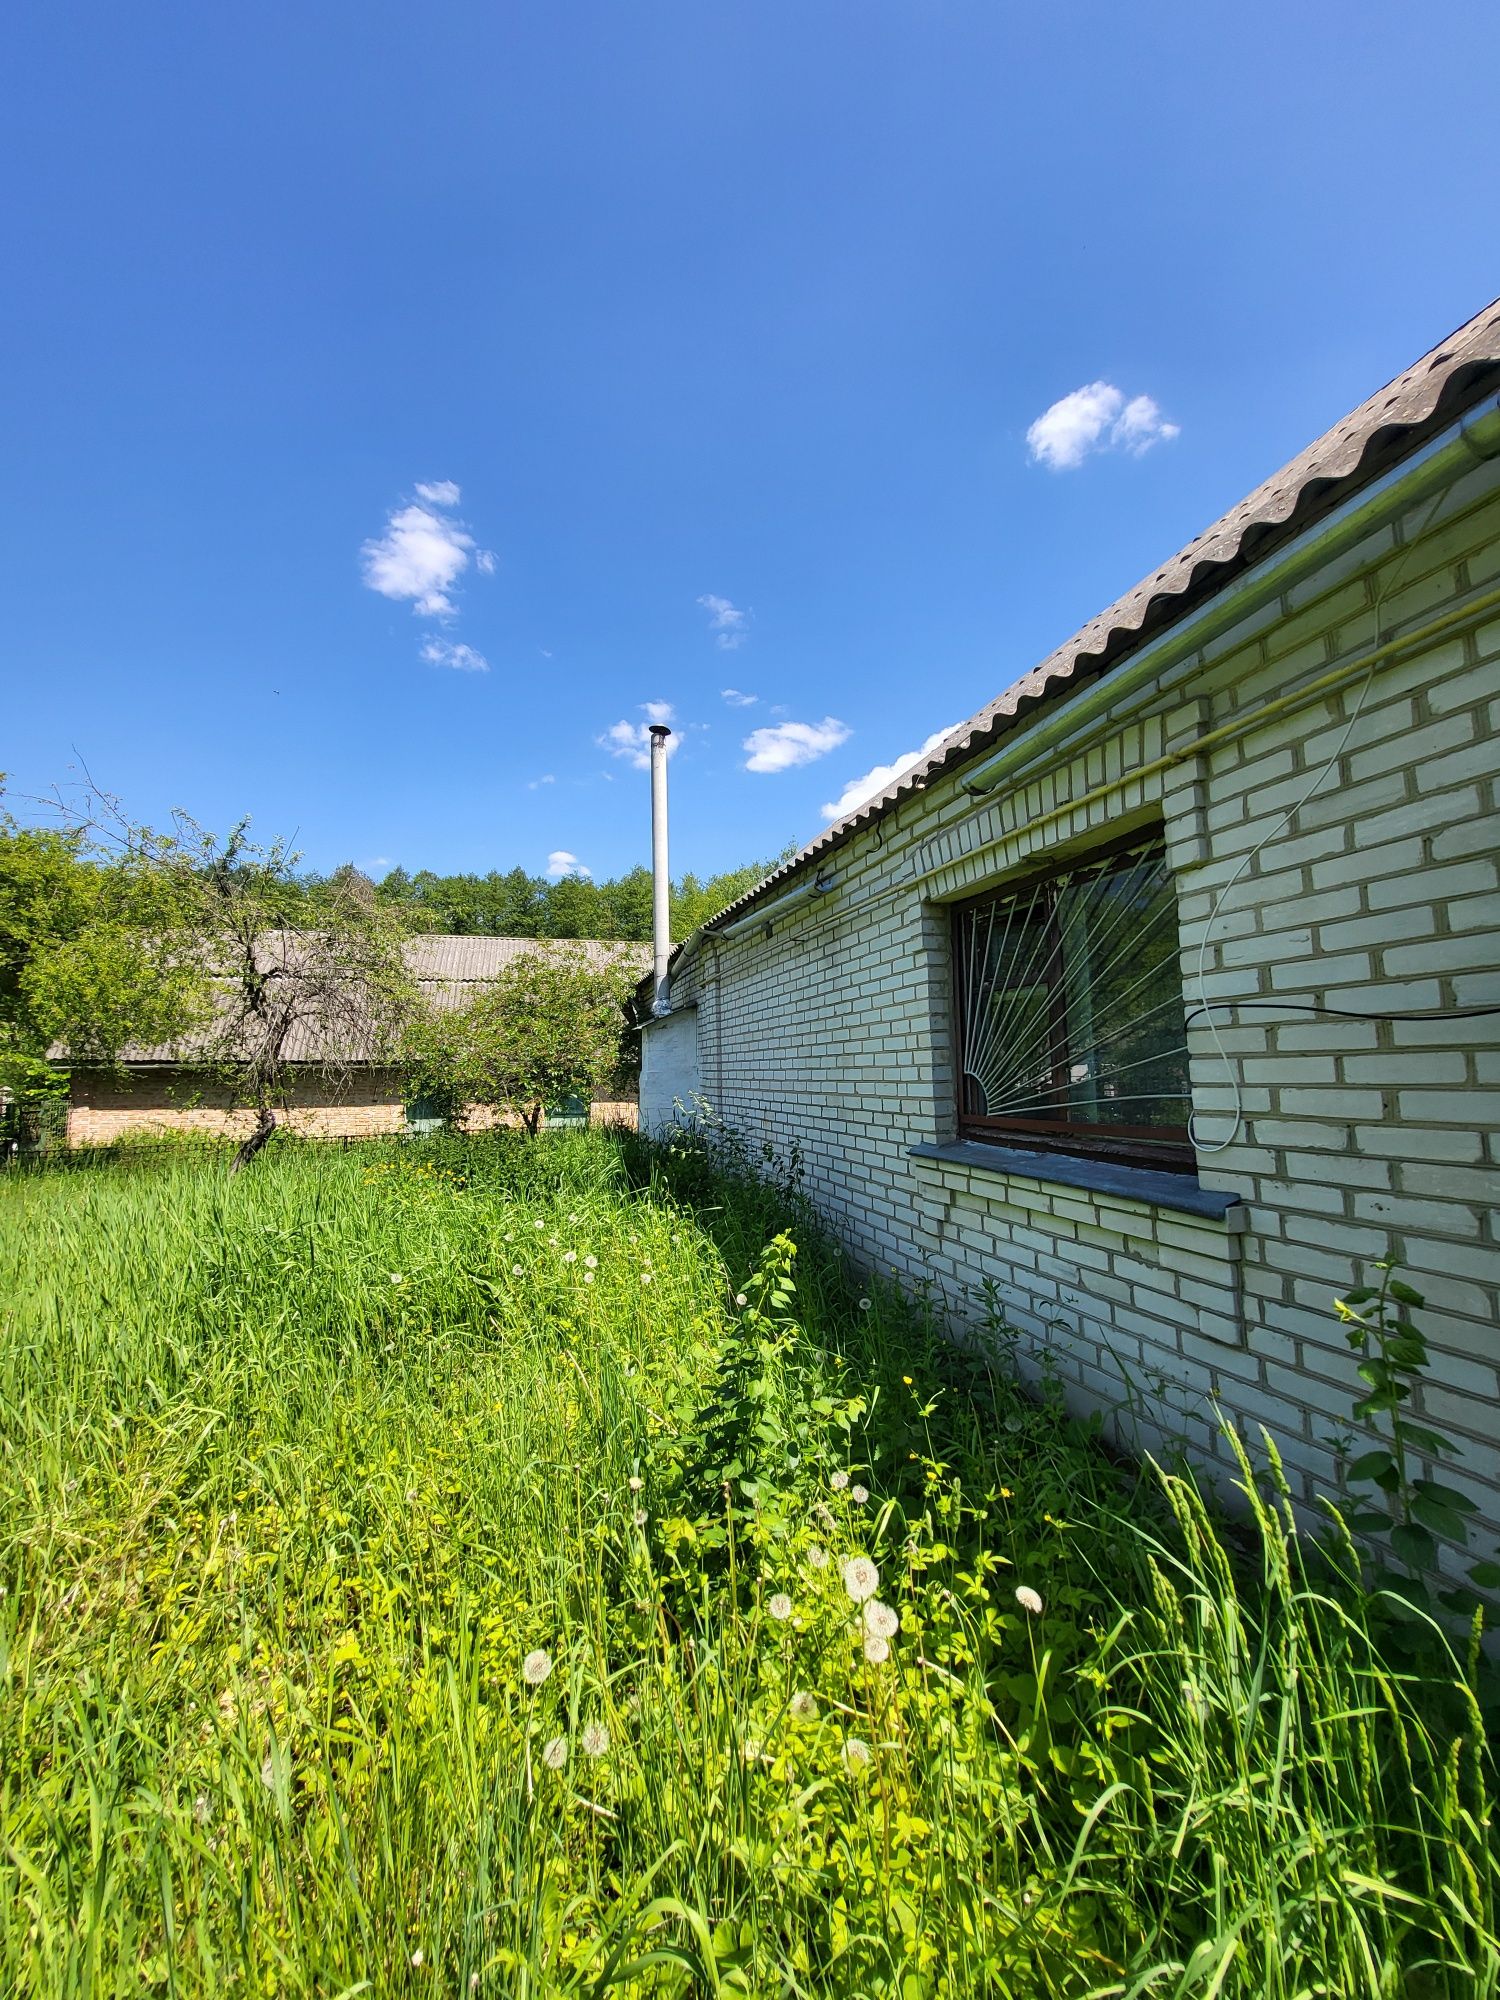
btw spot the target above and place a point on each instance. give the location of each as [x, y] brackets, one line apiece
[1070, 1017]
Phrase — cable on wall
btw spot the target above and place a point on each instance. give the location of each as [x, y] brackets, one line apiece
[1349, 1013]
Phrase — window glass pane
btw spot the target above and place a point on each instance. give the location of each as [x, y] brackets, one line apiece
[1127, 1059]
[1010, 1054]
[1070, 1002]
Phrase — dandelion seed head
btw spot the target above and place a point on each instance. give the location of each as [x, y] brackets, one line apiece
[861, 1578]
[595, 1739]
[856, 1753]
[1028, 1599]
[570, 1256]
[641, 1517]
[864, 1305]
[880, 1620]
[803, 1706]
[591, 1262]
[818, 1556]
[645, 1277]
[555, 1755]
[859, 1495]
[635, 1482]
[780, 1606]
[740, 1299]
[877, 1650]
[839, 1481]
[588, 1277]
[515, 1270]
[536, 1667]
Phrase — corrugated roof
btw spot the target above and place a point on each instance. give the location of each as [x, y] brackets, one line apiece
[444, 965]
[448, 971]
[1392, 423]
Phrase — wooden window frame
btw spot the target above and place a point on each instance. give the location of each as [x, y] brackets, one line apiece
[1169, 1148]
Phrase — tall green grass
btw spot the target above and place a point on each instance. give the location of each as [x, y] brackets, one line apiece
[298, 1469]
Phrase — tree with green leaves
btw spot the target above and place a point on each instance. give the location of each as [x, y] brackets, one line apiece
[515, 904]
[551, 1026]
[92, 957]
[117, 942]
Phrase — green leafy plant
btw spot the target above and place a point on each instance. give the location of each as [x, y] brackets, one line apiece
[547, 1028]
[467, 1566]
[1379, 1327]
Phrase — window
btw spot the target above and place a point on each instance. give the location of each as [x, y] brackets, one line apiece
[1071, 1029]
[570, 1110]
[424, 1114]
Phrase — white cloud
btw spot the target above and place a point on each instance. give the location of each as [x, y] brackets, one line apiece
[725, 620]
[791, 743]
[560, 863]
[443, 653]
[738, 700]
[632, 740]
[859, 789]
[1142, 425]
[1096, 418]
[439, 493]
[534, 784]
[419, 556]
[485, 562]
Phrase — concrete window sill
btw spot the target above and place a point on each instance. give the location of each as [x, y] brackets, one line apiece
[1146, 1184]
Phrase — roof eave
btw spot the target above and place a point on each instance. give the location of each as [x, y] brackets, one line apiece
[1390, 427]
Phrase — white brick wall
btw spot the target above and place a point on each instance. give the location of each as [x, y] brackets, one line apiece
[832, 1033]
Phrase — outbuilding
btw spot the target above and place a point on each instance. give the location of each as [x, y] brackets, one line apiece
[1163, 999]
[156, 1092]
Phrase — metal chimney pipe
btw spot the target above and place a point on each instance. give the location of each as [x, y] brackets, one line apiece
[661, 876]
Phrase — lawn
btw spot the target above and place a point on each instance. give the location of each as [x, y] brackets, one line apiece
[540, 1567]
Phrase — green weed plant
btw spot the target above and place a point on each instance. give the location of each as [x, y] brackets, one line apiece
[542, 1568]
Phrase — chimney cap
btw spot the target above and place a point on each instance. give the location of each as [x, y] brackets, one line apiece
[660, 729]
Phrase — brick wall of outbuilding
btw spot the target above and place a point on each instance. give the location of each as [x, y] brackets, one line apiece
[105, 1108]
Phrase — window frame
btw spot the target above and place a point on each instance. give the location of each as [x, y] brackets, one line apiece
[1168, 1148]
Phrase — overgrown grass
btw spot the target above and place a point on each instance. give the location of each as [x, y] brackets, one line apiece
[298, 1470]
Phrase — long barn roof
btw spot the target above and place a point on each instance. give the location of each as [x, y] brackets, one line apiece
[448, 971]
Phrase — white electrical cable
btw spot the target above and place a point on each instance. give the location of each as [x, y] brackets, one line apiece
[1205, 1005]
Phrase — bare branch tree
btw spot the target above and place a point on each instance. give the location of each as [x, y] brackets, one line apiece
[295, 979]
[271, 971]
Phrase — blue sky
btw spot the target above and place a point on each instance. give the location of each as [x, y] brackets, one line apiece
[715, 333]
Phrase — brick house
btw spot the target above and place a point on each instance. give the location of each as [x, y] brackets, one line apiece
[160, 1090]
[1156, 996]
